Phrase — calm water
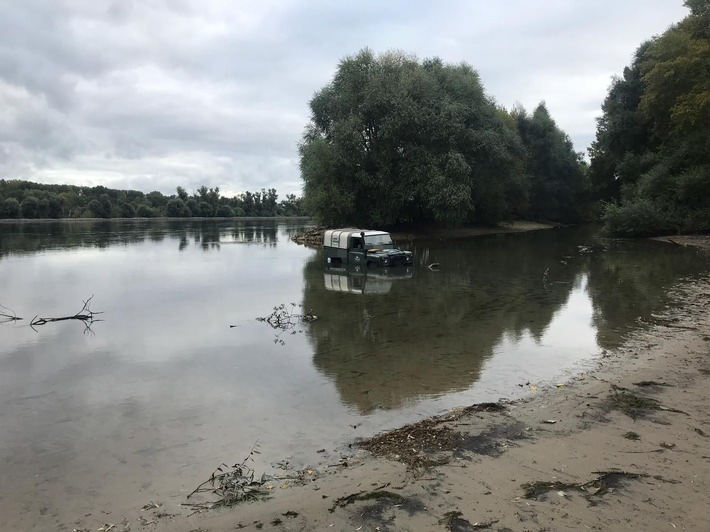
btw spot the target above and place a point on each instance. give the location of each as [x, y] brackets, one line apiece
[180, 376]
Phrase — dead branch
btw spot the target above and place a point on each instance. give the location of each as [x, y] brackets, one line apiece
[85, 315]
[5, 317]
[231, 485]
[286, 320]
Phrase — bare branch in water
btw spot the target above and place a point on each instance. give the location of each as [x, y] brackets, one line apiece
[85, 315]
[286, 320]
[5, 317]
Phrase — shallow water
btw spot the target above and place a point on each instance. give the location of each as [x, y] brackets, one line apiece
[180, 376]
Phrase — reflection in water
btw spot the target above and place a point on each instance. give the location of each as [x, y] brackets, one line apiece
[360, 280]
[34, 237]
[432, 335]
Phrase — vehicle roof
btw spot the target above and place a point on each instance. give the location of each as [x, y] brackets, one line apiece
[351, 230]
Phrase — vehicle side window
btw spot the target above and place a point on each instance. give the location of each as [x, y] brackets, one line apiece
[357, 243]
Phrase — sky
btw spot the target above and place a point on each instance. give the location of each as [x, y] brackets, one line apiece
[155, 94]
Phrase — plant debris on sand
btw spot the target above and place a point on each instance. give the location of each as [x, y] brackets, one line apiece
[456, 523]
[605, 482]
[231, 485]
[413, 444]
[634, 404]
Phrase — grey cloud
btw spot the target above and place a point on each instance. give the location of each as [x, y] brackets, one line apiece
[155, 94]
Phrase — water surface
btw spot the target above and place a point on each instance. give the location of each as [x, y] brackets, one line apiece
[180, 376]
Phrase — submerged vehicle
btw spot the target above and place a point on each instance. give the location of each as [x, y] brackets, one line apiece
[360, 247]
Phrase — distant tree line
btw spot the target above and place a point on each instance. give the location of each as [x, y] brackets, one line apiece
[24, 199]
[394, 140]
[650, 162]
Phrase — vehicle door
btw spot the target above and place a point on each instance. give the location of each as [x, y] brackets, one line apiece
[356, 250]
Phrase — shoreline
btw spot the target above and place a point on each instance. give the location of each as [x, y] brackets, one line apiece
[7, 221]
[625, 445]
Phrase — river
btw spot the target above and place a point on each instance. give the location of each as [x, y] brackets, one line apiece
[179, 375]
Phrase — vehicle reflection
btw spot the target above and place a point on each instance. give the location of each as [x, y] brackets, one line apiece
[360, 280]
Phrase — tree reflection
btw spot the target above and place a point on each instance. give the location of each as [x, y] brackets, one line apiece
[21, 238]
[431, 334]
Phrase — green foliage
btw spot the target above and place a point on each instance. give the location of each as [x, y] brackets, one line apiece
[652, 151]
[176, 208]
[127, 210]
[10, 208]
[27, 199]
[553, 171]
[145, 211]
[30, 207]
[393, 139]
[637, 217]
[225, 211]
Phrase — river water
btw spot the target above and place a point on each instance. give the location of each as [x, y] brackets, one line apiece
[180, 376]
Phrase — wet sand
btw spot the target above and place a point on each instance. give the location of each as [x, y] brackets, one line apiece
[625, 446]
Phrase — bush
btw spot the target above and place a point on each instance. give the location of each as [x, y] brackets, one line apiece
[638, 217]
[145, 211]
[10, 208]
[225, 211]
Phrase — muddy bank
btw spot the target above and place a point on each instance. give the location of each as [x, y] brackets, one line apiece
[314, 236]
[700, 241]
[625, 446]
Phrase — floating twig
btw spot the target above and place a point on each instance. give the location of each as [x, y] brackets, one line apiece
[5, 317]
[85, 315]
[286, 320]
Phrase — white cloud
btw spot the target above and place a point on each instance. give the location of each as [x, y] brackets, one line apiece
[156, 94]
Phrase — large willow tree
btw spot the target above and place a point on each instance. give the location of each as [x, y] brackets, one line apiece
[392, 139]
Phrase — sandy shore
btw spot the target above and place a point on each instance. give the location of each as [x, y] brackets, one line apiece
[623, 447]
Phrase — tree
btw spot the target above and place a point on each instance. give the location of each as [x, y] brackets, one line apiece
[175, 208]
[392, 139]
[10, 208]
[145, 211]
[225, 211]
[621, 151]
[105, 207]
[182, 194]
[93, 208]
[204, 209]
[55, 206]
[660, 178]
[127, 210]
[30, 207]
[553, 169]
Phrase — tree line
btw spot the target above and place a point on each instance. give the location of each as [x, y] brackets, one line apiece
[650, 163]
[395, 140]
[24, 199]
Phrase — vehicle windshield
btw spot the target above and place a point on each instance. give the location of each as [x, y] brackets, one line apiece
[378, 240]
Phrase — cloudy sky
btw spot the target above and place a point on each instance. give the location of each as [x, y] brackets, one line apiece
[152, 94]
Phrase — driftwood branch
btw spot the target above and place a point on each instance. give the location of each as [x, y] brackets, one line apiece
[286, 320]
[85, 315]
[6, 317]
[231, 485]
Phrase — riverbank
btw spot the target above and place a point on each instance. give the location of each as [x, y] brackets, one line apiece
[139, 219]
[314, 237]
[624, 447]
